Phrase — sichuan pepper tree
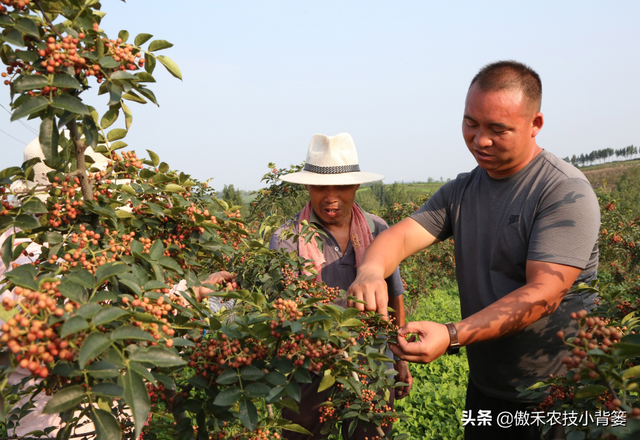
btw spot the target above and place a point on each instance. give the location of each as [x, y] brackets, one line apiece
[105, 314]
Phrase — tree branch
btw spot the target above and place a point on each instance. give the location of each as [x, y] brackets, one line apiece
[37, 2]
[87, 190]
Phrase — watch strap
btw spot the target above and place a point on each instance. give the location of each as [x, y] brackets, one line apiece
[454, 343]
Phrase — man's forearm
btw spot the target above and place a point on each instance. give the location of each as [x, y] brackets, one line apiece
[522, 307]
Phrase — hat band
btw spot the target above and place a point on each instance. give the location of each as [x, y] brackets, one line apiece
[339, 169]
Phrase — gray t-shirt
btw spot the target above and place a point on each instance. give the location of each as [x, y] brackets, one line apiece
[339, 270]
[545, 212]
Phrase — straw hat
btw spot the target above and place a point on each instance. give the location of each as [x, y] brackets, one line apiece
[40, 170]
[331, 160]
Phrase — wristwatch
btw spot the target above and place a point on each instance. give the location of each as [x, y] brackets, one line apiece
[454, 343]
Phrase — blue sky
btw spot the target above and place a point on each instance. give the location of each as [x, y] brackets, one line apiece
[260, 78]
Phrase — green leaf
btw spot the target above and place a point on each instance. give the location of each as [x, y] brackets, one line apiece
[131, 332]
[327, 382]
[123, 75]
[172, 187]
[142, 371]
[29, 82]
[116, 133]
[295, 428]
[90, 131]
[276, 378]
[34, 206]
[93, 346]
[133, 96]
[108, 314]
[70, 103]
[154, 158]
[128, 117]
[159, 356]
[145, 77]
[107, 427]
[170, 263]
[82, 277]
[23, 276]
[141, 39]
[149, 62]
[256, 390]
[26, 222]
[351, 322]
[302, 376]
[182, 342]
[124, 35]
[110, 269]
[109, 118]
[6, 251]
[248, 414]
[147, 94]
[293, 390]
[170, 66]
[14, 37]
[228, 377]
[107, 62]
[631, 372]
[73, 291]
[137, 397]
[103, 370]
[49, 138]
[251, 373]
[26, 26]
[156, 250]
[135, 288]
[228, 397]
[159, 45]
[64, 81]
[31, 105]
[107, 389]
[163, 167]
[73, 325]
[589, 391]
[65, 399]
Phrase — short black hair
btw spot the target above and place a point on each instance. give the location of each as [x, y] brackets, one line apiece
[511, 75]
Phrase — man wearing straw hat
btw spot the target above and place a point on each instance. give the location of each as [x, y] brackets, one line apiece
[332, 176]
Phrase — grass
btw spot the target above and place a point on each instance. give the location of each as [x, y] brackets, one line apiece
[434, 407]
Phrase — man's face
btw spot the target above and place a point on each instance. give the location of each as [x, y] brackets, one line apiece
[499, 129]
[332, 203]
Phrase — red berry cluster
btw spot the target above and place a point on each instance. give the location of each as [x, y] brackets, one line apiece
[28, 334]
[15, 4]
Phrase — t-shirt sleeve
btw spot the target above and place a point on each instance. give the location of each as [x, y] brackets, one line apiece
[435, 214]
[566, 226]
[394, 281]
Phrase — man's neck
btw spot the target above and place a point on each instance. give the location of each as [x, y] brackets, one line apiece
[340, 231]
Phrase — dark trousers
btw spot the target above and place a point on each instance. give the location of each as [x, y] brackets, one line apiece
[476, 429]
[309, 416]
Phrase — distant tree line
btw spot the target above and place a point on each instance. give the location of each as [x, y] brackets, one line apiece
[602, 156]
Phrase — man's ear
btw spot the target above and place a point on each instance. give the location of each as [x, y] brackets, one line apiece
[536, 124]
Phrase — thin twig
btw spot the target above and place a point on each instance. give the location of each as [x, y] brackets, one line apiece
[37, 2]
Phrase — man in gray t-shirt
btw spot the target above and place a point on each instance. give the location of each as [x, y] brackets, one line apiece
[525, 226]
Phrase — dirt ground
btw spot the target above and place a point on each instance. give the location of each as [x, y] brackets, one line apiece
[606, 175]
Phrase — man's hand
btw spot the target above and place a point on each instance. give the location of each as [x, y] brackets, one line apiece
[372, 289]
[421, 342]
[404, 375]
[216, 278]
